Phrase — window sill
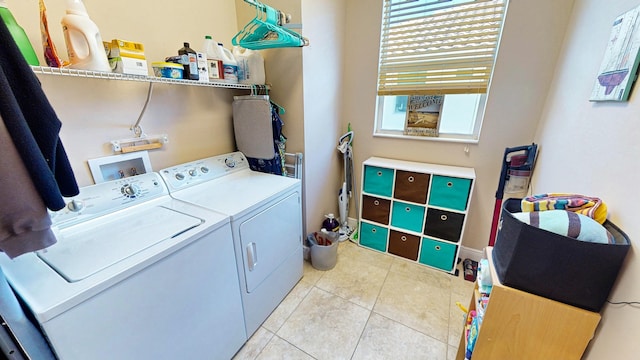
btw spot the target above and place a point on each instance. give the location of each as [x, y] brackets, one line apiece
[441, 138]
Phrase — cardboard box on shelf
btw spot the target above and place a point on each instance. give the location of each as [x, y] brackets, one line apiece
[126, 57]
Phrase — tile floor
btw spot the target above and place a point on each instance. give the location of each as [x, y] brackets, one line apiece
[370, 306]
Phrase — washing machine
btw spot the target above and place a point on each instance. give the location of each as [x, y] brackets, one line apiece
[135, 274]
[266, 222]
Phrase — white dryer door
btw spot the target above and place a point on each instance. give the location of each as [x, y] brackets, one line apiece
[269, 237]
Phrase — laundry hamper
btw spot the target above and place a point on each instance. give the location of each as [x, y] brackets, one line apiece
[554, 266]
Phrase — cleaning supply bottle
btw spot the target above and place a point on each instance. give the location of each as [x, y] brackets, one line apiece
[214, 58]
[250, 66]
[330, 223]
[230, 66]
[83, 40]
[189, 60]
[18, 34]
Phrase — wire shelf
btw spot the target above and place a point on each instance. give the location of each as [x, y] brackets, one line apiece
[128, 77]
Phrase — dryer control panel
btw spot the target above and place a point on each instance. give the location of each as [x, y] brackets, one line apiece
[195, 172]
[108, 197]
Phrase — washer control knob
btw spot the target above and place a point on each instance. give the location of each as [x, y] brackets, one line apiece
[204, 169]
[75, 205]
[180, 176]
[193, 172]
[129, 190]
[230, 162]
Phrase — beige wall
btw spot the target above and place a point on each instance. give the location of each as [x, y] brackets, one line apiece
[94, 112]
[524, 68]
[322, 69]
[592, 148]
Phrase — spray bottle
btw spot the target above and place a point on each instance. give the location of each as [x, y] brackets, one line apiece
[18, 34]
[84, 43]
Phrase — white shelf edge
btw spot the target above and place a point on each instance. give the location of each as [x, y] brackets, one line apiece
[128, 77]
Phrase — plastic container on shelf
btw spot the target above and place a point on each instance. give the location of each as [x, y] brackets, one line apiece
[83, 40]
[167, 70]
[214, 58]
[250, 66]
[230, 66]
[18, 34]
[189, 60]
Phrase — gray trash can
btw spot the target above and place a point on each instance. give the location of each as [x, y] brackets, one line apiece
[324, 250]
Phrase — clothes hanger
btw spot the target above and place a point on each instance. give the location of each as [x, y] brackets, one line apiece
[255, 89]
[281, 109]
[265, 31]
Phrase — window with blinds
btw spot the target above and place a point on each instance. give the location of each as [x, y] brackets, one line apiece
[438, 47]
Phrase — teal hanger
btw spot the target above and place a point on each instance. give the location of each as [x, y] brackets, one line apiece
[281, 110]
[265, 31]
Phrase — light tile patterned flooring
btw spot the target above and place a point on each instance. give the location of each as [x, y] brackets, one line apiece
[370, 306]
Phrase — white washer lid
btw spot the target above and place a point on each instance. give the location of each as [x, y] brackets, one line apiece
[87, 248]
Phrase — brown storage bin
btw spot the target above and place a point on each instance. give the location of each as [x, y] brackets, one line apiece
[411, 186]
[404, 245]
[376, 209]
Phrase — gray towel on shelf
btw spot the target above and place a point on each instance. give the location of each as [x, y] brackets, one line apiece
[252, 127]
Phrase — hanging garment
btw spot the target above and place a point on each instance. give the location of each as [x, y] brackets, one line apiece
[24, 222]
[33, 126]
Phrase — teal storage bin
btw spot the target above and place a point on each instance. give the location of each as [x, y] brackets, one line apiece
[374, 237]
[407, 216]
[378, 180]
[450, 192]
[437, 254]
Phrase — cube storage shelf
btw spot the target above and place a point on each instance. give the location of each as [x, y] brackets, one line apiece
[416, 211]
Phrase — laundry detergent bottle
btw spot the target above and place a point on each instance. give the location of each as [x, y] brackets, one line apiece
[250, 66]
[83, 40]
[18, 34]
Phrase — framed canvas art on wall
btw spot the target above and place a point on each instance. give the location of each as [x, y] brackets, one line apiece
[620, 63]
[423, 115]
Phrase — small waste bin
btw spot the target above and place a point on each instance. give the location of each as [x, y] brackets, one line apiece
[324, 249]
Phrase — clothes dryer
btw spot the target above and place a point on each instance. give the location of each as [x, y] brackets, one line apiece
[266, 221]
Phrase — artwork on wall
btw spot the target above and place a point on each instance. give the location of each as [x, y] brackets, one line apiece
[620, 63]
[423, 115]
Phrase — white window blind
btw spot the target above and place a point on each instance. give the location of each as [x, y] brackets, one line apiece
[437, 47]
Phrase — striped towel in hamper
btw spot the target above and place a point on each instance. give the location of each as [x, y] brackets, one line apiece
[592, 207]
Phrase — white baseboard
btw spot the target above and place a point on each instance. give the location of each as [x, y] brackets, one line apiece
[470, 253]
